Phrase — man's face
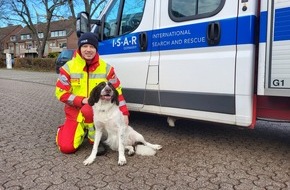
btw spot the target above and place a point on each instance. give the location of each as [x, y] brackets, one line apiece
[88, 51]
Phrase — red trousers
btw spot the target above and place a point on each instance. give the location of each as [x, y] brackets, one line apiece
[78, 123]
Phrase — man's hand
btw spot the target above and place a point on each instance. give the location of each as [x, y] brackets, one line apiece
[85, 101]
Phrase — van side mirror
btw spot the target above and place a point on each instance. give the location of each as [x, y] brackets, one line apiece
[82, 23]
[97, 28]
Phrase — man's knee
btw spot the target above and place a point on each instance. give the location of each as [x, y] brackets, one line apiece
[67, 149]
[64, 145]
[69, 137]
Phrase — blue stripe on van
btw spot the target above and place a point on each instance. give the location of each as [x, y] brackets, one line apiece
[246, 30]
[183, 37]
[263, 26]
[282, 24]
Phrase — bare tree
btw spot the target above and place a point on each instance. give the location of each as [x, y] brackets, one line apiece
[30, 12]
[91, 6]
[25, 13]
[4, 11]
[2, 8]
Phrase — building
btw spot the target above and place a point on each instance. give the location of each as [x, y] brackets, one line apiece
[20, 42]
[8, 39]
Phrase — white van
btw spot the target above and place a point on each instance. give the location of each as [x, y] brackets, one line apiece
[213, 60]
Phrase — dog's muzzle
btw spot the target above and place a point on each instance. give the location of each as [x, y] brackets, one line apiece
[107, 93]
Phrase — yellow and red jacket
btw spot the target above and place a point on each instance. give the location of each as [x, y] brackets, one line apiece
[77, 79]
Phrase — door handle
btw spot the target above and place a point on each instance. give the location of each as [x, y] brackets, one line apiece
[213, 33]
[143, 41]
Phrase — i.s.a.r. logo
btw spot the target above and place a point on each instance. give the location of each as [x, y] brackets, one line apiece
[125, 42]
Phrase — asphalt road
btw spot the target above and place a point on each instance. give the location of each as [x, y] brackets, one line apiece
[195, 155]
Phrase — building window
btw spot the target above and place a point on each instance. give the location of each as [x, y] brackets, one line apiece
[62, 45]
[62, 33]
[40, 35]
[13, 38]
[25, 36]
[29, 46]
[52, 44]
[58, 33]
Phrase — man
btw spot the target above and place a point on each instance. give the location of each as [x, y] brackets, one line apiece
[76, 80]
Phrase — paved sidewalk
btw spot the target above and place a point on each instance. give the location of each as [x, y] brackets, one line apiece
[48, 78]
[195, 155]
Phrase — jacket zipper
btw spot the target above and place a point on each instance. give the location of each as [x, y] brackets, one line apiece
[88, 81]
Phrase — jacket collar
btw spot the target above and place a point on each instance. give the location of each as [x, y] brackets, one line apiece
[80, 60]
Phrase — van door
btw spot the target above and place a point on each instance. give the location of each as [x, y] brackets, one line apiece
[274, 64]
[197, 40]
[126, 32]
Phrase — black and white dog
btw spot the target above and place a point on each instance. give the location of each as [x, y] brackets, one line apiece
[109, 121]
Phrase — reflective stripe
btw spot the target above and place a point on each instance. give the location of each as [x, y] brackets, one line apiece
[71, 98]
[66, 67]
[122, 103]
[91, 131]
[97, 76]
[76, 75]
[91, 136]
[63, 79]
[113, 81]
[91, 128]
[108, 68]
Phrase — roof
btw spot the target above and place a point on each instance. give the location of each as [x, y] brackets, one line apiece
[61, 25]
[8, 31]
[54, 26]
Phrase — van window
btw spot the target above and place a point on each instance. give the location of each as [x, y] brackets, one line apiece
[110, 27]
[123, 17]
[182, 10]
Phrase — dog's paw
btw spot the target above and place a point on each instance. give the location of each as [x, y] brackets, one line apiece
[131, 152]
[89, 160]
[122, 161]
[157, 147]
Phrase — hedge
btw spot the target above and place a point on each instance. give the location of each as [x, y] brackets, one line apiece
[34, 64]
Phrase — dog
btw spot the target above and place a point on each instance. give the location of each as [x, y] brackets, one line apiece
[109, 121]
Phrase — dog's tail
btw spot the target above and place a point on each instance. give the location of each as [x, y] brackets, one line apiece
[144, 150]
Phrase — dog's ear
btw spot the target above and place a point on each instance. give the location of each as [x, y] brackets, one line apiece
[115, 98]
[95, 95]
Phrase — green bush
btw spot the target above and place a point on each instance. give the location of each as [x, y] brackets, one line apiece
[53, 55]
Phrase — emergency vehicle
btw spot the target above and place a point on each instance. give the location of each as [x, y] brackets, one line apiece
[213, 60]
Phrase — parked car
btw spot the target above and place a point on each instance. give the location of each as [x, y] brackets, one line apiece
[62, 58]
